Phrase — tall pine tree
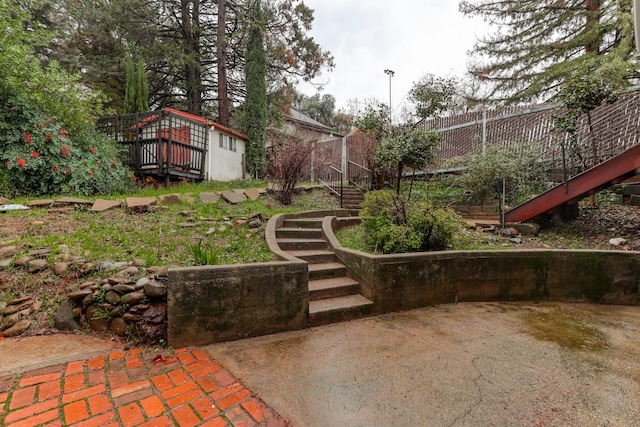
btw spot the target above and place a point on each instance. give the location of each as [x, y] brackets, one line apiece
[255, 107]
[537, 44]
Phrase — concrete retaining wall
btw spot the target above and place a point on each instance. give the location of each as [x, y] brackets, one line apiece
[407, 281]
[221, 303]
[210, 304]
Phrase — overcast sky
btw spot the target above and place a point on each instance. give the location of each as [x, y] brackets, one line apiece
[410, 37]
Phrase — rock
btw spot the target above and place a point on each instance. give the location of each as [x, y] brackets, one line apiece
[132, 298]
[170, 199]
[515, 240]
[139, 262]
[240, 221]
[210, 230]
[252, 193]
[124, 289]
[98, 321]
[40, 253]
[60, 267]
[62, 257]
[109, 266]
[9, 321]
[104, 205]
[37, 265]
[617, 241]
[40, 203]
[188, 199]
[140, 308]
[87, 267]
[151, 333]
[117, 311]
[140, 203]
[255, 223]
[141, 282]
[155, 289]
[86, 284]
[21, 261]
[4, 201]
[130, 271]
[81, 294]
[119, 326]
[130, 317]
[65, 319]
[5, 263]
[509, 232]
[12, 309]
[112, 297]
[64, 201]
[20, 300]
[162, 274]
[117, 281]
[526, 228]
[9, 251]
[233, 197]
[209, 197]
[18, 329]
[156, 313]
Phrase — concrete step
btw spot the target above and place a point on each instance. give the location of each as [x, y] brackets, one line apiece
[333, 310]
[332, 288]
[299, 233]
[302, 223]
[291, 244]
[326, 270]
[314, 256]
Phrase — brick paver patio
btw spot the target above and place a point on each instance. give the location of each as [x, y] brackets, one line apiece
[147, 388]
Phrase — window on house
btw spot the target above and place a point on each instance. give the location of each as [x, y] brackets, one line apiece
[233, 143]
[221, 139]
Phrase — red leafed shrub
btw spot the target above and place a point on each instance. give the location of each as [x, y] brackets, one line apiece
[288, 161]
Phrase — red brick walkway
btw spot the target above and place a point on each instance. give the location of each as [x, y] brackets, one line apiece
[135, 388]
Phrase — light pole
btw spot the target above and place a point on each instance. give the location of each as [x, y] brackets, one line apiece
[390, 73]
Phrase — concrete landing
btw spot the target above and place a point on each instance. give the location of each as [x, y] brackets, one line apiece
[519, 364]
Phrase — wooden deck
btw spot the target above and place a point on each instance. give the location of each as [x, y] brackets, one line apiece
[160, 144]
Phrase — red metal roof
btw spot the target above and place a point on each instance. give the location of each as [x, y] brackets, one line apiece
[206, 122]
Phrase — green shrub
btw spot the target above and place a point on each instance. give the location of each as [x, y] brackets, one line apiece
[394, 225]
[40, 157]
[525, 176]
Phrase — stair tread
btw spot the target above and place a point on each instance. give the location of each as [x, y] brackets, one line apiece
[298, 229]
[333, 282]
[303, 252]
[326, 266]
[339, 303]
[295, 240]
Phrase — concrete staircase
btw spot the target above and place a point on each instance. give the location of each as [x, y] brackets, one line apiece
[333, 295]
[352, 197]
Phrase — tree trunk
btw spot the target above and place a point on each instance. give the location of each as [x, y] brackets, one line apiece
[221, 47]
[593, 18]
[193, 69]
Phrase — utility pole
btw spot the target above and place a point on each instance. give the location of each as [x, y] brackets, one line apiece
[390, 73]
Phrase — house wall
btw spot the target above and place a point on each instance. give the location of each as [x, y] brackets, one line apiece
[224, 164]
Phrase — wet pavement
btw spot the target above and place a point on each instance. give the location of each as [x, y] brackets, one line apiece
[516, 364]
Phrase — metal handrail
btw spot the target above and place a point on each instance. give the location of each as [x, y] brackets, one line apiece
[360, 176]
[334, 182]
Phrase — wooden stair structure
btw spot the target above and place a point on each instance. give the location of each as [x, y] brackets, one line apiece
[612, 171]
[333, 295]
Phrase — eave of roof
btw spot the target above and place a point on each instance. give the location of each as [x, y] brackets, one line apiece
[206, 122]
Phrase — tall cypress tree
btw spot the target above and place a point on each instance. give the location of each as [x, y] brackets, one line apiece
[256, 99]
[130, 88]
[136, 95]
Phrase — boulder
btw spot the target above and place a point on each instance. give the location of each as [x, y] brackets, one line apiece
[155, 289]
[64, 319]
[18, 329]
